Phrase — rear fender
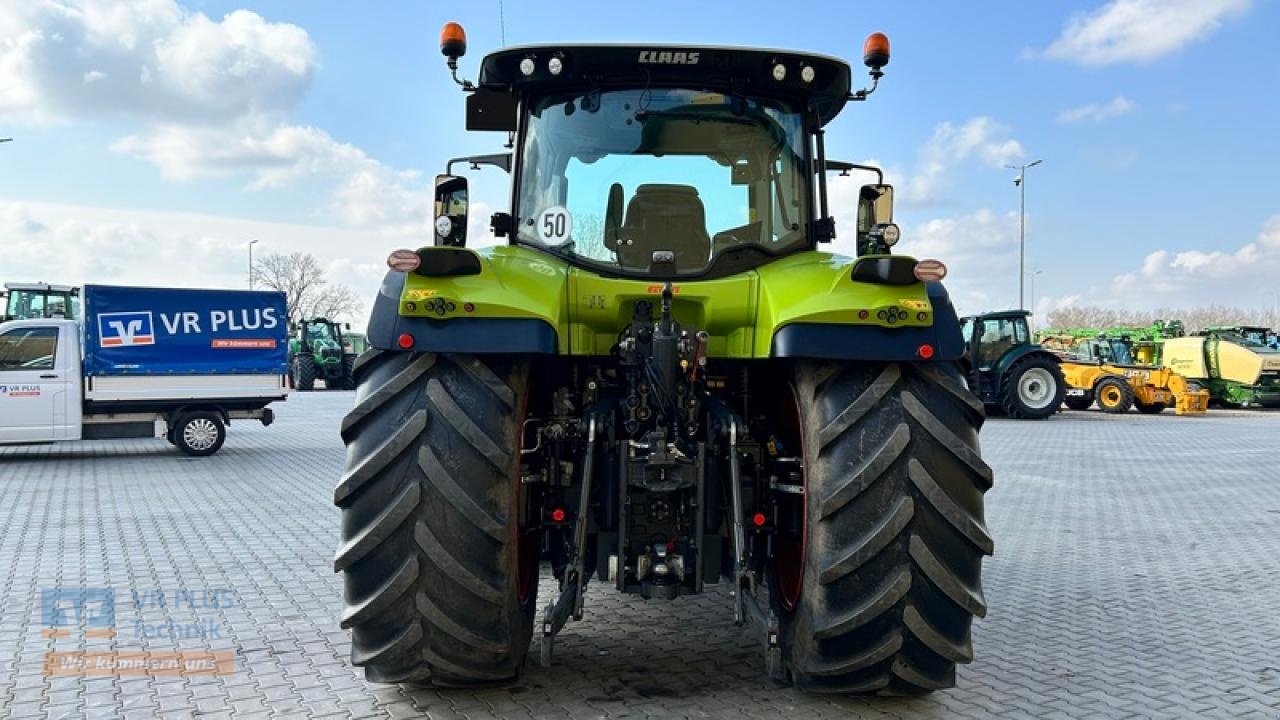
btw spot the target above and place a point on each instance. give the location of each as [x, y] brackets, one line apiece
[876, 342]
[1016, 355]
[512, 305]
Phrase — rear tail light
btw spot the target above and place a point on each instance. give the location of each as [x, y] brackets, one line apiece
[403, 260]
[930, 271]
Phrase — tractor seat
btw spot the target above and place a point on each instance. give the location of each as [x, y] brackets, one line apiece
[664, 217]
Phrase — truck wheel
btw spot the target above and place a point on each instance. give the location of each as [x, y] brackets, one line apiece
[440, 572]
[1115, 395]
[1149, 408]
[199, 434]
[1078, 402]
[893, 536]
[304, 373]
[1033, 389]
[348, 381]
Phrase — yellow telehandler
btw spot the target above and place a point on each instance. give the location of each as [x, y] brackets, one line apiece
[1102, 370]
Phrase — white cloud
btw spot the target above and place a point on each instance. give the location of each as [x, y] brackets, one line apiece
[62, 60]
[77, 245]
[979, 137]
[363, 191]
[1140, 30]
[1097, 112]
[210, 99]
[1190, 277]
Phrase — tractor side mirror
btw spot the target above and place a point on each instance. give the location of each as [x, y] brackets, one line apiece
[451, 210]
[876, 231]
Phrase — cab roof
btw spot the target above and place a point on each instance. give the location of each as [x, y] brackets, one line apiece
[747, 71]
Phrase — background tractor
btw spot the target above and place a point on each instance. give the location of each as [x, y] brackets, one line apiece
[1008, 371]
[317, 351]
[31, 301]
[663, 383]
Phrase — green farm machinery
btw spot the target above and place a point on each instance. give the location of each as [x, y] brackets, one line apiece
[317, 351]
[663, 383]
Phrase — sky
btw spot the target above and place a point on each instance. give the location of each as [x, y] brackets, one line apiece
[154, 139]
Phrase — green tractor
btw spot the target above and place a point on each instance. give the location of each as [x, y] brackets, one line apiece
[1008, 371]
[317, 351]
[663, 383]
[28, 301]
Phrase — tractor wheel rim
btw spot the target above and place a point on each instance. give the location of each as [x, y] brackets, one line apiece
[791, 554]
[1036, 388]
[526, 541]
[200, 434]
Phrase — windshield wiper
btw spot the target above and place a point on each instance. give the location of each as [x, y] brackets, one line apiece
[643, 115]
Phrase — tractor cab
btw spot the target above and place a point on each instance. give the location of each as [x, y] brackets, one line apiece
[29, 301]
[1007, 370]
[1247, 335]
[664, 162]
[1108, 350]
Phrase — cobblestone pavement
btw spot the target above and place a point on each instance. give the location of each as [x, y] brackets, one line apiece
[1137, 574]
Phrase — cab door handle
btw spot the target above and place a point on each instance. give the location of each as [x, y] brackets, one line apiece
[48, 377]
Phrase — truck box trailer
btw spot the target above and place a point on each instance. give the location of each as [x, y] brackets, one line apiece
[145, 362]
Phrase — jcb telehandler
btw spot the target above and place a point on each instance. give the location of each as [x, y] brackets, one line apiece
[1105, 371]
[663, 382]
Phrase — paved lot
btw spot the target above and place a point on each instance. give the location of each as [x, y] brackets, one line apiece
[1137, 574]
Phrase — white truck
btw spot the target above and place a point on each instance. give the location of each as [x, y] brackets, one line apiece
[145, 362]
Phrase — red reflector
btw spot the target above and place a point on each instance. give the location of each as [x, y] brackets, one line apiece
[930, 271]
[863, 314]
[403, 260]
[558, 515]
[405, 341]
[925, 351]
[759, 519]
[469, 307]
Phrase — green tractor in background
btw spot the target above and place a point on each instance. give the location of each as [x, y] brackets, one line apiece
[1008, 371]
[663, 383]
[31, 301]
[317, 351]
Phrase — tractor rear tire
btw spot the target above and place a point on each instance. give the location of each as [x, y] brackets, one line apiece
[1149, 408]
[1078, 402]
[1033, 389]
[348, 381]
[894, 534]
[304, 373]
[441, 581]
[1115, 395]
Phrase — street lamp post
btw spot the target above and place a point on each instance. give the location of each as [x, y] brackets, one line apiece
[1021, 183]
[251, 244]
[1034, 273]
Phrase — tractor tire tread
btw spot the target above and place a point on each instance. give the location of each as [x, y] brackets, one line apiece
[428, 552]
[892, 579]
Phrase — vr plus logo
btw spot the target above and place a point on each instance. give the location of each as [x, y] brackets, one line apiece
[126, 329]
[95, 607]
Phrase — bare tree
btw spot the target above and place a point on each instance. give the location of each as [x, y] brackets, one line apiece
[307, 291]
[1193, 319]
